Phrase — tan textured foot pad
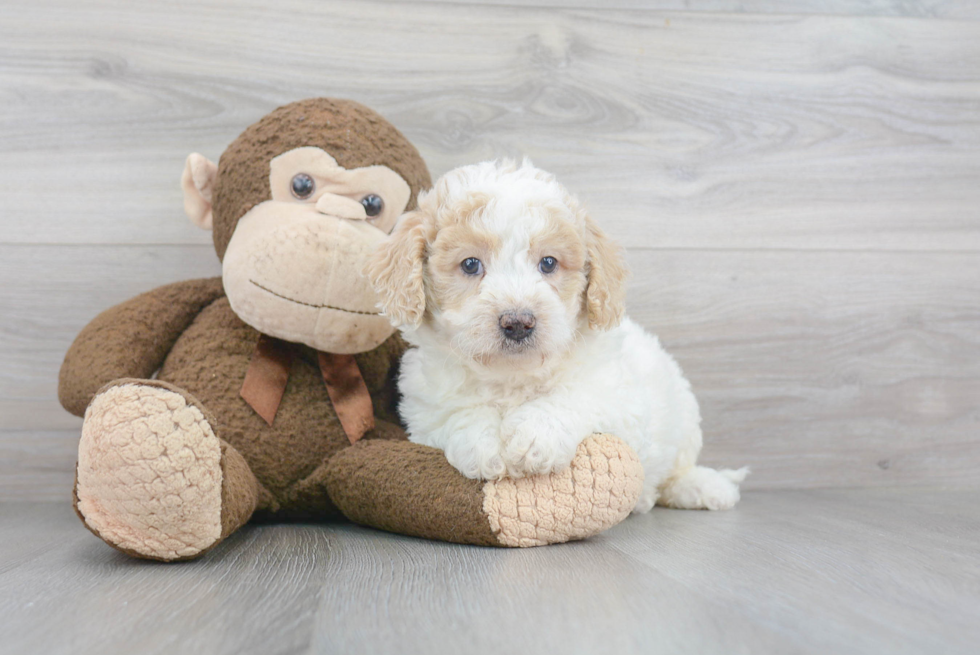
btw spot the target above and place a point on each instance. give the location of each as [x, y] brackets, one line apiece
[149, 473]
[598, 491]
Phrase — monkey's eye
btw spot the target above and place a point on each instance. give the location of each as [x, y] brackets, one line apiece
[302, 186]
[471, 266]
[373, 205]
[547, 265]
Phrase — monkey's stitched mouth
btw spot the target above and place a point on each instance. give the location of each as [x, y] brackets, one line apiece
[309, 304]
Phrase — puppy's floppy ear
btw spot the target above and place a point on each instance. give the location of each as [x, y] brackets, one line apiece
[605, 295]
[396, 271]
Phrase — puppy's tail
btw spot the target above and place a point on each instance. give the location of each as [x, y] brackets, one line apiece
[736, 475]
[700, 487]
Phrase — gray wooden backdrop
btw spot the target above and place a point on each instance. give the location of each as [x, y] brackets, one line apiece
[798, 184]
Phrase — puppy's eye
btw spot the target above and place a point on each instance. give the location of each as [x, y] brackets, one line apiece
[373, 205]
[471, 266]
[547, 265]
[302, 186]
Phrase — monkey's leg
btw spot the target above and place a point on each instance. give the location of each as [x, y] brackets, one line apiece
[410, 489]
[153, 479]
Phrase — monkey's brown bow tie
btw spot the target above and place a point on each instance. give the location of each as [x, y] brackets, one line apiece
[268, 373]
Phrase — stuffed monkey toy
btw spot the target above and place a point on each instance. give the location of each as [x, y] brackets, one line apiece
[270, 392]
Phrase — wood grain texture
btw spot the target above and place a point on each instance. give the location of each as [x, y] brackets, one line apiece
[681, 129]
[816, 369]
[955, 9]
[822, 369]
[842, 571]
[799, 191]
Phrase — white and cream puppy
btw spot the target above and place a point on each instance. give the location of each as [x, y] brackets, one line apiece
[514, 299]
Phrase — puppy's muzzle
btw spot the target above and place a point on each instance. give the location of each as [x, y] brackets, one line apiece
[517, 326]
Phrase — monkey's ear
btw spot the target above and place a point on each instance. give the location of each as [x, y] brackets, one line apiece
[396, 271]
[197, 182]
[605, 296]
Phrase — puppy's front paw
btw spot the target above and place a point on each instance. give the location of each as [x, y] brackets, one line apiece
[535, 443]
[476, 457]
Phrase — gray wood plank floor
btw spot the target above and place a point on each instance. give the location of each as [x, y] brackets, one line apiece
[828, 571]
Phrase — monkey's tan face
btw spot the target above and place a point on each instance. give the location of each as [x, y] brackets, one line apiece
[294, 266]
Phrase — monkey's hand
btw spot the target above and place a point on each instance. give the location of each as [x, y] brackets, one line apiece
[131, 339]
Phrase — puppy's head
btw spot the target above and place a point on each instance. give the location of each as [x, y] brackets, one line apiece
[501, 263]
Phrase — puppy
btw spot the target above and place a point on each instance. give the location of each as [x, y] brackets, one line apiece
[514, 299]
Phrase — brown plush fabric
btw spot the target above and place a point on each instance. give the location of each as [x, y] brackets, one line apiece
[353, 134]
[312, 491]
[239, 490]
[209, 361]
[410, 489]
[276, 469]
[131, 339]
[302, 465]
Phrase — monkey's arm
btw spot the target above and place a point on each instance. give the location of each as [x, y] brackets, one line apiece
[131, 339]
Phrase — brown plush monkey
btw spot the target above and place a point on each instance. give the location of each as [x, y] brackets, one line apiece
[271, 391]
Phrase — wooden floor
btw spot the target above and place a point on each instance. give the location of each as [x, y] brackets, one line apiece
[831, 571]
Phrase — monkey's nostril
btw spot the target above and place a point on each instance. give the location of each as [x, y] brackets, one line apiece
[517, 326]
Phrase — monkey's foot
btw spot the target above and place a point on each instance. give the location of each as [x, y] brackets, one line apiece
[596, 492]
[411, 489]
[153, 479]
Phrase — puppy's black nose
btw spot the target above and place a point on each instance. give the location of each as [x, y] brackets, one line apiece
[517, 326]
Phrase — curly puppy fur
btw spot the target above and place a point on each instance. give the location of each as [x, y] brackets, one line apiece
[514, 298]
